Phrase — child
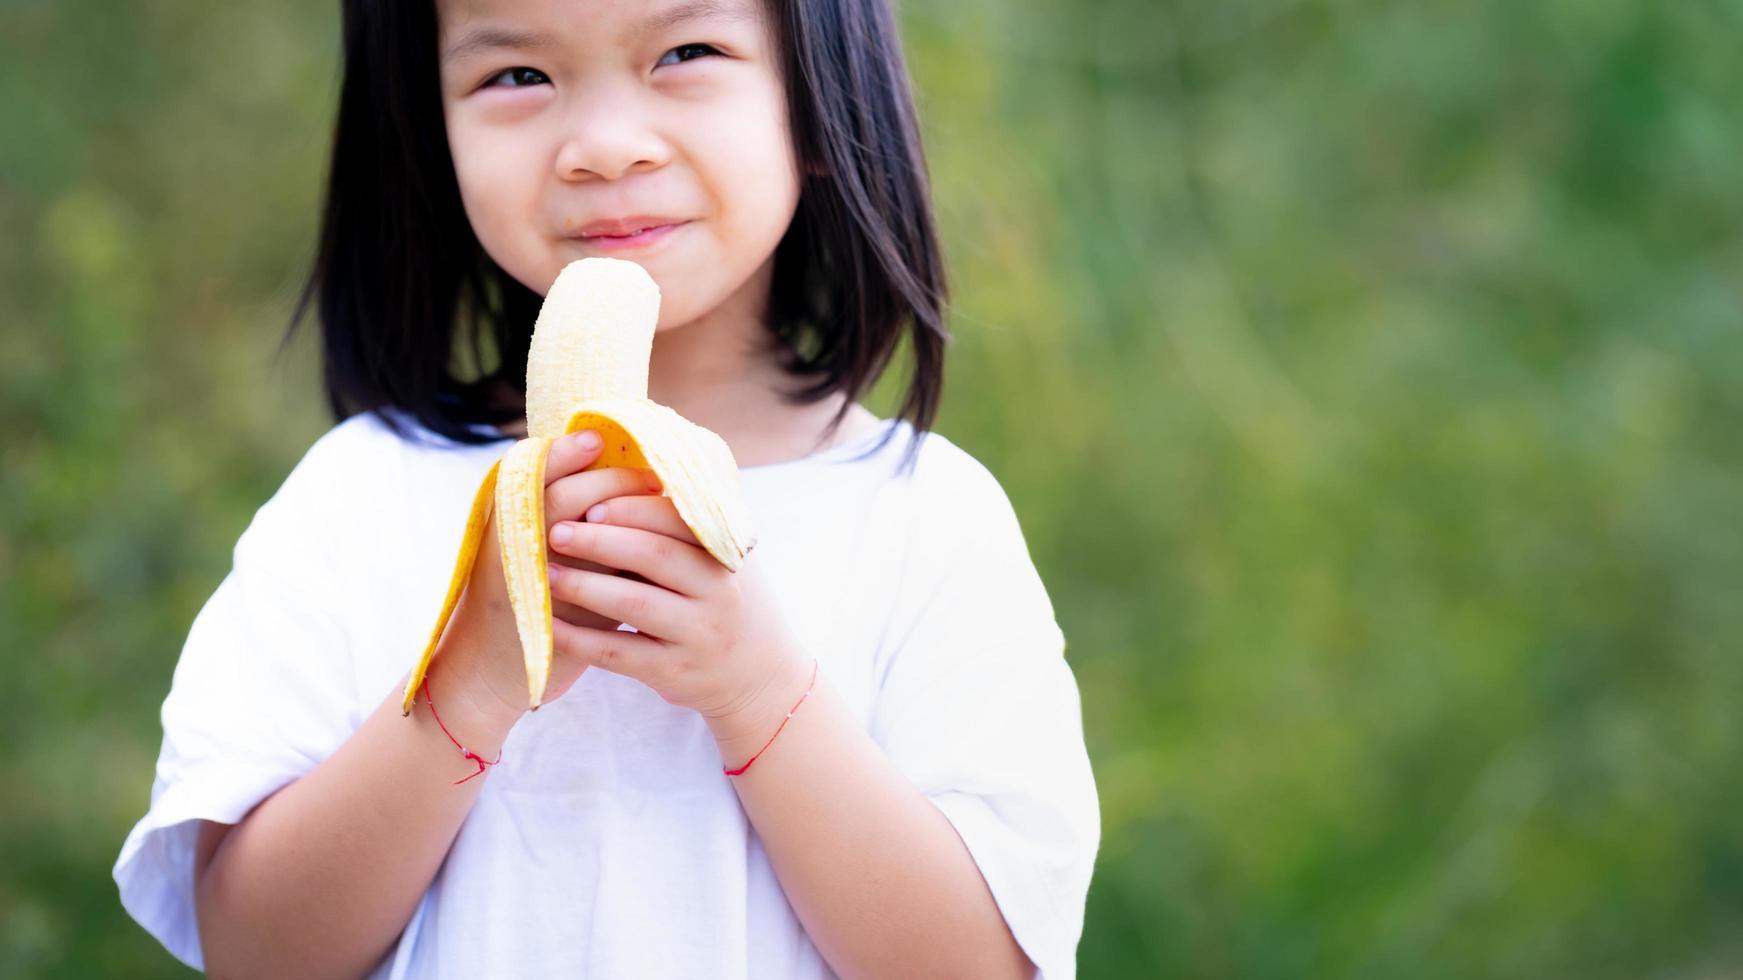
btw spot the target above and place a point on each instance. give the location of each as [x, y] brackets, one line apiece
[861, 754]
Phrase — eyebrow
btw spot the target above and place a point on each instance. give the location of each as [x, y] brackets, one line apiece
[488, 38]
[682, 13]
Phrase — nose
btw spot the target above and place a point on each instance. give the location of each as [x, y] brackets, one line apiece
[607, 134]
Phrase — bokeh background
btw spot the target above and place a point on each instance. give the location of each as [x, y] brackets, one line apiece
[1368, 377]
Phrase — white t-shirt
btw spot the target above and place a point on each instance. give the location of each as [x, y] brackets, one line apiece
[608, 842]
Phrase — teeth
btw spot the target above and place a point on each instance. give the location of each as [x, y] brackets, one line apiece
[588, 368]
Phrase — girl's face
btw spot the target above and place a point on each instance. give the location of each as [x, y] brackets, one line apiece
[566, 114]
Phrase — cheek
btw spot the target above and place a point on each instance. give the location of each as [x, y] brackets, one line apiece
[495, 190]
[766, 150]
[485, 161]
[754, 164]
[481, 185]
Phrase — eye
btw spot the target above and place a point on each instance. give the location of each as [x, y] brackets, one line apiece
[686, 47]
[519, 77]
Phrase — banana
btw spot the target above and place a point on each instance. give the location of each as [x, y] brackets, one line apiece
[587, 367]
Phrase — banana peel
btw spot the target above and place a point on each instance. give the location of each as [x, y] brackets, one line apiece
[587, 368]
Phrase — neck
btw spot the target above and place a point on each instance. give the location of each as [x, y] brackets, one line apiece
[720, 372]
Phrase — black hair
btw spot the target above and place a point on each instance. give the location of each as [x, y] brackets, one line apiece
[416, 317]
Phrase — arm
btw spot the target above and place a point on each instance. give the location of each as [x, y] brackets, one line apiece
[321, 877]
[876, 873]
[862, 832]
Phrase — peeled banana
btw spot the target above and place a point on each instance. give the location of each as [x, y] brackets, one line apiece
[587, 368]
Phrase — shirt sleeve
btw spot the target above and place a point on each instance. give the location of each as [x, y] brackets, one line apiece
[262, 693]
[979, 709]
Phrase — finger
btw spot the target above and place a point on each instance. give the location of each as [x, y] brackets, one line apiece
[647, 512]
[570, 497]
[648, 608]
[619, 651]
[571, 454]
[683, 568]
[580, 617]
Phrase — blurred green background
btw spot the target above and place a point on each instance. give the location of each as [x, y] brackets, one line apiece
[1361, 372]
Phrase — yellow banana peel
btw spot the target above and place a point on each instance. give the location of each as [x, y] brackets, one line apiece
[587, 368]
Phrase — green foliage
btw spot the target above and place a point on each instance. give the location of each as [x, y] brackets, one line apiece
[1360, 372]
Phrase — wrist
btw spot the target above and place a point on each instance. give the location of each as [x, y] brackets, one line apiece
[742, 733]
[472, 712]
[486, 681]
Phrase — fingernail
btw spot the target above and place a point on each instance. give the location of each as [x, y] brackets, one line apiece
[587, 439]
[596, 513]
[561, 534]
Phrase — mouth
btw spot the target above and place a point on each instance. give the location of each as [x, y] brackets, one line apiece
[628, 233]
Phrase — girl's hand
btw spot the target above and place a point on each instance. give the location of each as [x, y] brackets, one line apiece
[482, 653]
[707, 639]
[570, 492]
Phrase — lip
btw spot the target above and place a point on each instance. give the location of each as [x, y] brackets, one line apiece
[631, 241]
[626, 225]
[627, 233]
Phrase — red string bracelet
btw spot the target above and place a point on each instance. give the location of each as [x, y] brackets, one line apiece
[464, 751]
[771, 741]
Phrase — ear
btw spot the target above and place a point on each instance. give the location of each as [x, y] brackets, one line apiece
[816, 169]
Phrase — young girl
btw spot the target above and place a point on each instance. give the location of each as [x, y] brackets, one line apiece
[861, 754]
